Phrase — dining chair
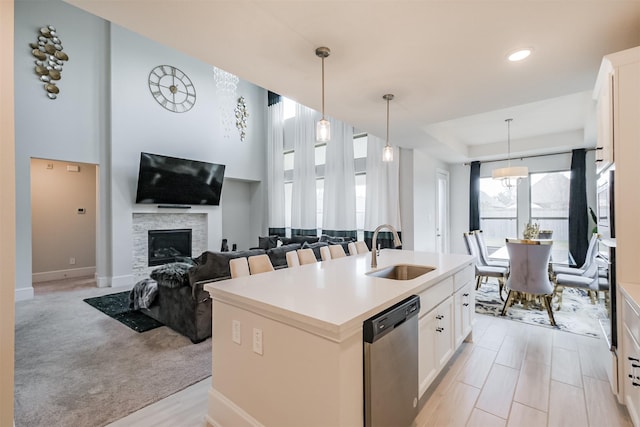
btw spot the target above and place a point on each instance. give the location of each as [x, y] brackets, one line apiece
[260, 264]
[545, 234]
[587, 281]
[590, 257]
[306, 256]
[484, 271]
[337, 251]
[292, 259]
[352, 248]
[529, 273]
[361, 247]
[325, 254]
[484, 254]
[238, 267]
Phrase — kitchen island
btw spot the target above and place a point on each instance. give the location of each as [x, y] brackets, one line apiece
[287, 345]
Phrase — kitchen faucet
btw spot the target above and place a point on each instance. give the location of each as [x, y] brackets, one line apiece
[396, 242]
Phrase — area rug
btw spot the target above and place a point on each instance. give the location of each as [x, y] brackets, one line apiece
[117, 306]
[577, 315]
[74, 366]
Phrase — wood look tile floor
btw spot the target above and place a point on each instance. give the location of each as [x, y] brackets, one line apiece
[513, 374]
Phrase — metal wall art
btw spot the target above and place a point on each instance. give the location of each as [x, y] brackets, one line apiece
[49, 59]
[241, 117]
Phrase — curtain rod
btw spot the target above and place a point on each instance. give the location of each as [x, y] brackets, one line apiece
[530, 156]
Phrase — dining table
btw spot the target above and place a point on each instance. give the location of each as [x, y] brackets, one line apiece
[559, 255]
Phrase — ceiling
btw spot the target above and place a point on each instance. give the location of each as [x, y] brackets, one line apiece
[445, 62]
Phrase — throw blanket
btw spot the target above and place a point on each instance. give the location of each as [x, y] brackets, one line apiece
[143, 294]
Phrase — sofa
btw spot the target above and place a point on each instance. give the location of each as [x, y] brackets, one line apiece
[181, 302]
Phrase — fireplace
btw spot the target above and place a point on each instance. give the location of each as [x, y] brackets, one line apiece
[167, 246]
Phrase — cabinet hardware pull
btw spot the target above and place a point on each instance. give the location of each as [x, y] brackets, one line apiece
[635, 384]
[439, 329]
[465, 295]
[599, 148]
[633, 359]
[439, 317]
[635, 365]
[466, 304]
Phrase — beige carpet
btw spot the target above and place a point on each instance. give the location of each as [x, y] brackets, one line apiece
[76, 366]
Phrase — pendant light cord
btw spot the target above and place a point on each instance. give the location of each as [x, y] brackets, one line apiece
[323, 88]
[508, 141]
[387, 121]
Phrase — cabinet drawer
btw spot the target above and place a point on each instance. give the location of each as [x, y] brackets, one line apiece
[631, 319]
[435, 295]
[464, 276]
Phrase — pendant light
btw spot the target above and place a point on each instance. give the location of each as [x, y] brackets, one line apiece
[323, 127]
[387, 153]
[510, 173]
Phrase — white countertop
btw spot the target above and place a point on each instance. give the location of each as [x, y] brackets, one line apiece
[333, 298]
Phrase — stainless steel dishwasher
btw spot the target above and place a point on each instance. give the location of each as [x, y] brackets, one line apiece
[391, 365]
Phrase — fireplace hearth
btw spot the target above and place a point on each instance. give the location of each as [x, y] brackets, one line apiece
[167, 246]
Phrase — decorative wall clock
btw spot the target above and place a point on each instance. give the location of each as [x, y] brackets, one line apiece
[49, 59]
[172, 88]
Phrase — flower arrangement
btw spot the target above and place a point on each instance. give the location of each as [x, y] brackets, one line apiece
[531, 231]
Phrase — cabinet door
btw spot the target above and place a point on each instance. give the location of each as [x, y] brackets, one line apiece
[464, 308]
[427, 366]
[604, 148]
[444, 332]
[631, 381]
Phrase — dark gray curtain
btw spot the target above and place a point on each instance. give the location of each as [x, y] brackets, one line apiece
[474, 197]
[578, 214]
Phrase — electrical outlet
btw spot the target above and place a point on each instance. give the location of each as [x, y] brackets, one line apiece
[72, 261]
[236, 332]
[257, 341]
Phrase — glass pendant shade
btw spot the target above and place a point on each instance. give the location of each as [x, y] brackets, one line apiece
[323, 131]
[387, 154]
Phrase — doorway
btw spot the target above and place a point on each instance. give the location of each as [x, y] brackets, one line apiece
[63, 220]
[442, 211]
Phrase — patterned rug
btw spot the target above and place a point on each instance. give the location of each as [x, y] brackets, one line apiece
[117, 306]
[577, 315]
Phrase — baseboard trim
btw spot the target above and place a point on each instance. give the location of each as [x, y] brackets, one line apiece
[103, 281]
[23, 294]
[125, 281]
[62, 274]
[223, 412]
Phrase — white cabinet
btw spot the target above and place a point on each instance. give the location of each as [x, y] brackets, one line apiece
[464, 303]
[630, 360]
[605, 111]
[446, 316]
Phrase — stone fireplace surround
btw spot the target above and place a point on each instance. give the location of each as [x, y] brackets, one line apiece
[143, 222]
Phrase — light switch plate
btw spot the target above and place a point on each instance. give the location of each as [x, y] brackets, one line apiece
[257, 341]
[236, 332]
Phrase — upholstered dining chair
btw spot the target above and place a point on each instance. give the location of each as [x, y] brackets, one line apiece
[260, 264]
[590, 257]
[484, 271]
[238, 267]
[361, 247]
[484, 254]
[292, 259]
[587, 281]
[337, 251]
[352, 248]
[306, 256]
[325, 254]
[529, 272]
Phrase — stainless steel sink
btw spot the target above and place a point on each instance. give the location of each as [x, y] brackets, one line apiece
[402, 271]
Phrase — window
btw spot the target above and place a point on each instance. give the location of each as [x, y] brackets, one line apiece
[498, 211]
[549, 204]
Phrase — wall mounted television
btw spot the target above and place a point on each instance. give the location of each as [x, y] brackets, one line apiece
[176, 181]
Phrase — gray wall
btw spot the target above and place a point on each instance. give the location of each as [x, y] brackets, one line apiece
[105, 115]
[59, 231]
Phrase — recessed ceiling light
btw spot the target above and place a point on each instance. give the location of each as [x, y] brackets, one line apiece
[519, 55]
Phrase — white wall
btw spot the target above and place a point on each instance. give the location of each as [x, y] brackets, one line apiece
[237, 214]
[106, 115]
[460, 190]
[418, 203]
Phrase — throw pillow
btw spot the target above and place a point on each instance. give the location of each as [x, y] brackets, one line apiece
[172, 275]
[267, 242]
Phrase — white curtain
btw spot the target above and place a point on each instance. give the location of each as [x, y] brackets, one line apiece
[339, 203]
[275, 168]
[383, 192]
[303, 197]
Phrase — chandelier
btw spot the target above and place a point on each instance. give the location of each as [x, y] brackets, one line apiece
[510, 175]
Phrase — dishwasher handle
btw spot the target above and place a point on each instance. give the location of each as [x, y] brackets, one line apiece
[382, 323]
